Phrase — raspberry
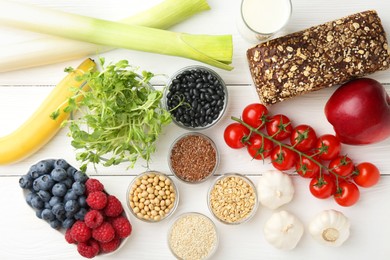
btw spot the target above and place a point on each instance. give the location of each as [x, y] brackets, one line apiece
[88, 249]
[114, 207]
[92, 185]
[110, 246]
[80, 232]
[104, 233]
[93, 218]
[97, 200]
[68, 237]
[121, 226]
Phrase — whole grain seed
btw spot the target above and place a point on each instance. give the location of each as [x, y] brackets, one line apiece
[193, 158]
[193, 236]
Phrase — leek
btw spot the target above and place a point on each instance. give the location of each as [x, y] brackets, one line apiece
[48, 50]
[203, 48]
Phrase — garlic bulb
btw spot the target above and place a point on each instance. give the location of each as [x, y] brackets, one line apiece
[330, 227]
[283, 230]
[275, 189]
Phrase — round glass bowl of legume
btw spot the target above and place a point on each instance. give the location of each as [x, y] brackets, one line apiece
[193, 235]
[193, 158]
[232, 198]
[196, 97]
[152, 196]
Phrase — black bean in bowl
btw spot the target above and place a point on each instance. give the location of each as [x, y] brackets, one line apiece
[196, 96]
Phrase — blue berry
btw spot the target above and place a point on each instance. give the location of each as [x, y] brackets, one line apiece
[47, 215]
[72, 206]
[69, 214]
[33, 172]
[59, 190]
[82, 200]
[47, 205]
[70, 195]
[44, 195]
[56, 224]
[26, 181]
[38, 213]
[70, 171]
[68, 182]
[78, 187]
[61, 163]
[58, 174]
[80, 214]
[80, 176]
[58, 210]
[44, 182]
[29, 197]
[55, 200]
[45, 166]
[68, 223]
[37, 203]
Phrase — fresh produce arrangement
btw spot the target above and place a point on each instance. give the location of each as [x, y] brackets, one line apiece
[69, 200]
[331, 173]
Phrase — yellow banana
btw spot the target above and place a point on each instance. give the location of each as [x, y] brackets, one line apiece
[40, 128]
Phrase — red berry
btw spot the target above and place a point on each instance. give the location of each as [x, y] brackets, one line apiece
[88, 249]
[80, 232]
[68, 237]
[110, 246]
[97, 200]
[92, 185]
[121, 226]
[104, 233]
[114, 207]
[93, 218]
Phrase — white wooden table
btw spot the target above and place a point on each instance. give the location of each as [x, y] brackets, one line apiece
[23, 236]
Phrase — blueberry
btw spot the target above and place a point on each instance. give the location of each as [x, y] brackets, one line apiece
[61, 217]
[70, 195]
[80, 214]
[68, 182]
[56, 224]
[70, 171]
[69, 214]
[55, 200]
[58, 174]
[29, 197]
[80, 176]
[33, 172]
[44, 195]
[82, 200]
[59, 190]
[47, 215]
[72, 206]
[61, 163]
[67, 223]
[58, 210]
[37, 203]
[44, 182]
[78, 187]
[38, 213]
[45, 166]
[26, 181]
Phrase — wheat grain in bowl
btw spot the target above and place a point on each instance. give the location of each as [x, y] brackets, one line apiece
[152, 196]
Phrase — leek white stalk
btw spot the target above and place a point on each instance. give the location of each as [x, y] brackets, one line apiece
[48, 50]
[77, 27]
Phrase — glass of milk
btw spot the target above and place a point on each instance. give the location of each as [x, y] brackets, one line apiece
[261, 19]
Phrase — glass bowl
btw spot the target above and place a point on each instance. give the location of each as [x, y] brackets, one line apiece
[192, 157]
[209, 93]
[190, 227]
[229, 182]
[149, 199]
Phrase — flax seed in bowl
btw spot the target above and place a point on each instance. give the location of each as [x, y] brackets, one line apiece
[193, 158]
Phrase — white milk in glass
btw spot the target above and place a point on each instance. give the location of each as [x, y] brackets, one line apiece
[260, 19]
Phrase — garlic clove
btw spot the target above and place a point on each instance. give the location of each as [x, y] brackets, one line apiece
[330, 227]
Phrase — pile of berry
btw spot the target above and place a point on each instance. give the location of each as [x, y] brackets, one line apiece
[66, 198]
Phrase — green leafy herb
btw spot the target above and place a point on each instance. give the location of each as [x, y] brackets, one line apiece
[121, 116]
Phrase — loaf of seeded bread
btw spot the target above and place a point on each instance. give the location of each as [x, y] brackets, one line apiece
[319, 57]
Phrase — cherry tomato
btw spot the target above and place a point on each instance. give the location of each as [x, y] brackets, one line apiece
[328, 147]
[347, 194]
[283, 158]
[366, 174]
[307, 168]
[235, 135]
[255, 115]
[279, 127]
[342, 166]
[303, 138]
[259, 147]
[322, 187]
